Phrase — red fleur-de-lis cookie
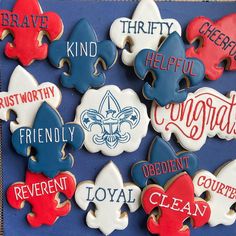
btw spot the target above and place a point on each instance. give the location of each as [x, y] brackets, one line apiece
[28, 24]
[42, 194]
[217, 43]
[176, 204]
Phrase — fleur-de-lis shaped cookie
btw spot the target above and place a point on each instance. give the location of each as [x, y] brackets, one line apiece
[146, 29]
[221, 192]
[42, 194]
[108, 193]
[83, 52]
[25, 96]
[217, 43]
[48, 136]
[28, 24]
[163, 164]
[176, 204]
[169, 66]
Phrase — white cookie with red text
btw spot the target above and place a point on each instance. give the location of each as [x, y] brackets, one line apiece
[205, 113]
[25, 96]
[221, 192]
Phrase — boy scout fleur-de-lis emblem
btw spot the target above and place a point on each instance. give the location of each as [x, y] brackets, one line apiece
[109, 117]
[113, 120]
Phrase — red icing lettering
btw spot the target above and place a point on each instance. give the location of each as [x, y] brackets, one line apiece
[204, 113]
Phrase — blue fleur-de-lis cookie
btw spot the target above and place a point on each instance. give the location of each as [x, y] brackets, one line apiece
[48, 137]
[83, 52]
[163, 164]
[168, 66]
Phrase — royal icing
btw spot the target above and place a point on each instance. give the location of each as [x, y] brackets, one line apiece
[217, 43]
[169, 66]
[113, 120]
[28, 24]
[109, 194]
[42, 194]
[205, 113]
[83, 52]
[176, 204]
[222, 192]
[25, 96]
[146, 29]
[163, 164]
[48, 136]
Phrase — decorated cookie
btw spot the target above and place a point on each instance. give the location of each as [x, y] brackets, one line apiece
[25, 96]
[169, 66]
[83, 52]
[28, 24]
[42, 194]
[146, 29]
[113, 120]
[109, 194]
[205, 113]
[176, 203]
[163, 164]
[217, 43]
[48, 136]
[221, 192]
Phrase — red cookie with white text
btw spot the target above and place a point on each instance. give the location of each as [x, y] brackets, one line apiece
[176, 203]
[42, 193]
[28, 25]
[217, 43]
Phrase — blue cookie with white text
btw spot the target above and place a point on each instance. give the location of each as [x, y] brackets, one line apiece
[83, 52]
[168, 66]
[48, 138]
[163, 164]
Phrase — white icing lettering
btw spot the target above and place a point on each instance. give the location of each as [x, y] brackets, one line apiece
[46, 135]
[79, 49]
[41, 188]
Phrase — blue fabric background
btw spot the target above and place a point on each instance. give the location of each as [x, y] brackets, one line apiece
[86, 167]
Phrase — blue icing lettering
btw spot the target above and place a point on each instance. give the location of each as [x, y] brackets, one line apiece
[145, 27]
[110, 195]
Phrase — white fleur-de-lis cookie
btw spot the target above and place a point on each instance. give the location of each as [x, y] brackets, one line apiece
[108, 193]
[145, 30]
[221, 192]
[25, 96]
